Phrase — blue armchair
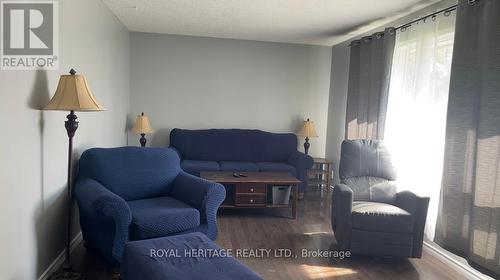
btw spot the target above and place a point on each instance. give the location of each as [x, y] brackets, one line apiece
[133, 193]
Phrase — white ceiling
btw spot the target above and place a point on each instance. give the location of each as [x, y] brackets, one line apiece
[316, 22]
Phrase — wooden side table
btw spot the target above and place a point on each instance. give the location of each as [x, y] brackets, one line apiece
[321, 174]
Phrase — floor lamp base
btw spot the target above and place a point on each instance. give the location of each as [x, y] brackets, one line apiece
[66, 273]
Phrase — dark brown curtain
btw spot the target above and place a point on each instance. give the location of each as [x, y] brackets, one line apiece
[368, 88]
[469, 214]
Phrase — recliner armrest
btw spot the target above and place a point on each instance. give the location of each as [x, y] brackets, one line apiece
[341, 204]
[411, 202]
[417, 206]
[341, 215]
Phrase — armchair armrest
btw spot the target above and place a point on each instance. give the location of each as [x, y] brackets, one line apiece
[103, 213]
[175, 150]
[204, 195]
[417, 206]
[341, 214]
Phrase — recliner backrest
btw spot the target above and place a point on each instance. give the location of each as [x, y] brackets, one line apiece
[131, 172]
[366, 167]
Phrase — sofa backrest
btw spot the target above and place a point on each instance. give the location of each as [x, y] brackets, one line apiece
[366, 167]
[233, 144]
[131, 172]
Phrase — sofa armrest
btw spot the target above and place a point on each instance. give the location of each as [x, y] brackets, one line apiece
[301, 160]
[302, 163]
[342, 199]
[417, 206]
[100, 211]
[204, 195]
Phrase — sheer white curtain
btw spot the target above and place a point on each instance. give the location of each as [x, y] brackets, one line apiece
[416, 111]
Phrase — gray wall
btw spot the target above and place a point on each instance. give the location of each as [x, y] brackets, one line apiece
[337, 104]
[339, 80]
[33, 149]
[195, 82]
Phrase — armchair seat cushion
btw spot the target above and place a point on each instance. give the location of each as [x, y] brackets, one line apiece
[194, 167]
[238, 166]
[277, 167]
[375, 216]
[161, 216]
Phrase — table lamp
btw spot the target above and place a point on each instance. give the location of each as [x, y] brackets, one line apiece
[142, 126]
[73, 94]
[307, 131]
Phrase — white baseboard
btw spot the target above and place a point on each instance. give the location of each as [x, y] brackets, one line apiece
[56, 264]
[454, 262]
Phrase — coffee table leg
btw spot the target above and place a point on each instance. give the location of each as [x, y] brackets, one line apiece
[295, 199]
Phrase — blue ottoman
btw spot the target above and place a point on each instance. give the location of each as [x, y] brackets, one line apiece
[188, 256]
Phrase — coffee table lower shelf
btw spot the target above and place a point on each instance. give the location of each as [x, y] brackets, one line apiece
[254, 189]
[292, 205]
[256, 206]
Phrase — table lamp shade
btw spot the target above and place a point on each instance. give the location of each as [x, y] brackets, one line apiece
[142, 125]
[307, 129]
[73, 94]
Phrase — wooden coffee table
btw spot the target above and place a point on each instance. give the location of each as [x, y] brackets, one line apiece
[252, 191]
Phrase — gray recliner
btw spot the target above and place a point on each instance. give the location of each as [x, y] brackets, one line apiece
[369, 216]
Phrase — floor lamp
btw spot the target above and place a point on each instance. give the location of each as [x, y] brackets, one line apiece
[73, 94]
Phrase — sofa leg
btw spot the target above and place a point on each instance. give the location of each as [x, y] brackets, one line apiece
[115, 272]
[301, 195]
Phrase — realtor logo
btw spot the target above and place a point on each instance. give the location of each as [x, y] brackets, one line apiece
[29, 35]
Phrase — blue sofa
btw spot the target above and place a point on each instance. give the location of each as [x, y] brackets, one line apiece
[240, 150]
[133, 193]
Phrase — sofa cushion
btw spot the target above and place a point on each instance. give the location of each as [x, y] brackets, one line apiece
[195, 166]
[238, 166]
[161, 216]
[380, 217]
[276, 167]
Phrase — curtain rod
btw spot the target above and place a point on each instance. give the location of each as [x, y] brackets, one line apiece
[408, 24]
[445, 10]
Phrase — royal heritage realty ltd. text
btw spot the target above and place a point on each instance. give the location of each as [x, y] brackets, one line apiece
[248, 253]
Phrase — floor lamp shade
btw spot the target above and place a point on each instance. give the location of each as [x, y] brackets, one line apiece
[307, 130]
[73, 94]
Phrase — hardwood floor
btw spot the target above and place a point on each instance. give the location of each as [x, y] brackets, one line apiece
[272, 229]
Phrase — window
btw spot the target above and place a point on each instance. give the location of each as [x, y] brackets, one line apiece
[416, 111]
